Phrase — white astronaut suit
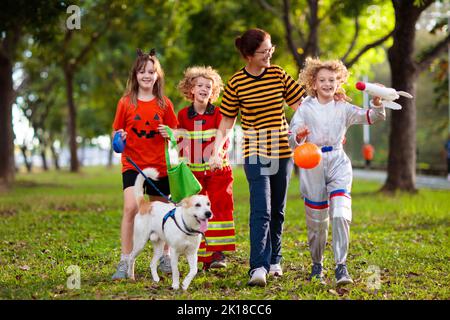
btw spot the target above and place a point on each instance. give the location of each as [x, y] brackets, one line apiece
[326, 188]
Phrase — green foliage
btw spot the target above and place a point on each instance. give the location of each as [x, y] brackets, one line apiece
[36, 17]
[187, 33]
[51, 221]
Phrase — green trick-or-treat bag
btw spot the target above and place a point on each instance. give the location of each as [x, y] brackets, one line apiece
[182, 181]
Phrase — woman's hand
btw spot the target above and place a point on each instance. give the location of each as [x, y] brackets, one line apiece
[341, 96]
[215, 162]
[301, 133]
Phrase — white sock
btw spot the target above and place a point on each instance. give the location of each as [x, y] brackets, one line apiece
[124, 257]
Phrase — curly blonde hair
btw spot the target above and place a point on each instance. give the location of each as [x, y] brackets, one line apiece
[308, 75]
[190, 74]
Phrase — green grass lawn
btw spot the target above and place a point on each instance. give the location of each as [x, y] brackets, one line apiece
[399, 245]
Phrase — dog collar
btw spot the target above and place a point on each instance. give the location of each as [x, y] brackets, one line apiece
[188, 231]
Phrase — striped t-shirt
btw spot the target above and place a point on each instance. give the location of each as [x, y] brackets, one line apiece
[260, 100]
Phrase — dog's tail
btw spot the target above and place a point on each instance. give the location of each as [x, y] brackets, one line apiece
[152, 173]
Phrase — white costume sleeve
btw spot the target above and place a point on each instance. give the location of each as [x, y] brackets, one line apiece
[296, 123]
[356, 115]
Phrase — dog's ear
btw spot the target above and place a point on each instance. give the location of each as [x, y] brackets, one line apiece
[186, 202]
[139, 52]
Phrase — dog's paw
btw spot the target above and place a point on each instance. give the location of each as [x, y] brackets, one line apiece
[175, 287]
[156, 279]
[185, 287]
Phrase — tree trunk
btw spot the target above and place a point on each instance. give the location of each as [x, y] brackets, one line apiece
[82, 158]
[312, 46]
[401, 169]
[110, 154]
[7, 166]
[23, 149]
[72, 125]
[44, 159]
[54, 156]
[42, 149]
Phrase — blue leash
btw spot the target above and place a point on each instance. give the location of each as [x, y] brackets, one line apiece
[150, 181]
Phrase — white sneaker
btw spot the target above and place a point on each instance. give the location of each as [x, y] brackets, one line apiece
[275, 270]
[258, 277]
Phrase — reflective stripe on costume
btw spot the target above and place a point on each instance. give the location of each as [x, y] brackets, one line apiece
[193, 135]
[316, 205]
[205, 166]
[221, 225]
[340, 192]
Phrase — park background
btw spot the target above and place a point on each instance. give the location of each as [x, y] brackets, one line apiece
[63, 68]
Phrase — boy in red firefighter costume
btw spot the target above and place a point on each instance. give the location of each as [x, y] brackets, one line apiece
[196, 132]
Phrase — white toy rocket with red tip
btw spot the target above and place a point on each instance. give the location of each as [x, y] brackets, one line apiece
[387, 95]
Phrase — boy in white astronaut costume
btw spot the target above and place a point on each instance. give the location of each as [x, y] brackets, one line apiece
[326, 188]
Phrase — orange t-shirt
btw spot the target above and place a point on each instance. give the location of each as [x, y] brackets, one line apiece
[144, 144]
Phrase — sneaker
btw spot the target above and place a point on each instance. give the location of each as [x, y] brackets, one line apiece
[316, 273]
[275, 270]
[258, 277]
[122, 271]
[218, 260]
[342, 276]
[164, 264]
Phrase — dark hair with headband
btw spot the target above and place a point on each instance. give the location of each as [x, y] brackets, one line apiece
[250, 41]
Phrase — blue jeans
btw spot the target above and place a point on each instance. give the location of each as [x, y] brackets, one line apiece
[268, 181]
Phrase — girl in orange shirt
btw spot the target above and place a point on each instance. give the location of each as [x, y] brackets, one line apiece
[140, 111]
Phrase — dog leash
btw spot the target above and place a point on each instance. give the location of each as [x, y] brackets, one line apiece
[189, 231]
[150, 181]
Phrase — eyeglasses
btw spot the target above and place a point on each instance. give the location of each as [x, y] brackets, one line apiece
[267, 51]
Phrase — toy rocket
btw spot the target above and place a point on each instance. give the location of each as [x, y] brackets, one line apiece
[388, 95]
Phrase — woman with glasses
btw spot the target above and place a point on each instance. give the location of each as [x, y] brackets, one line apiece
[259, 91]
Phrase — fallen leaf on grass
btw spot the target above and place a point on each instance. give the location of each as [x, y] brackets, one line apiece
[342, 291]
[59, 289]
[339, 291]
[333, 292]
[25, 268]
[412, 274]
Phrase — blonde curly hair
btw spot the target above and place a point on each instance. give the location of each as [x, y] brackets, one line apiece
[190, 74]
[308, 75]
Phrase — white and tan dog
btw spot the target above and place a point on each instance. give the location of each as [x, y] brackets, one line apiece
[182, 231]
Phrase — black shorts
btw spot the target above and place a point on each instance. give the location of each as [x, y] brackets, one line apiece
[129, 177]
